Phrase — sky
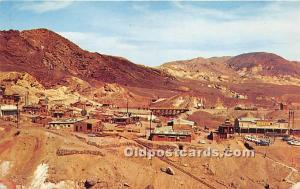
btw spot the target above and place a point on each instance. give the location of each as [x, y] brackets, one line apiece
[152, 33]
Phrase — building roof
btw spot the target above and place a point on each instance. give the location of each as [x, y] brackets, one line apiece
[8, 107]
[182, 121]
[274, 125]
[249, 119]
[168, 130]
[66, 121]
[32, 106]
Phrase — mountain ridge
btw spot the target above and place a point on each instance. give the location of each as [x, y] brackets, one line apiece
[52, 58]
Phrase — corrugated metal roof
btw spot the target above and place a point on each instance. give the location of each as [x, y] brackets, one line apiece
[8, 107]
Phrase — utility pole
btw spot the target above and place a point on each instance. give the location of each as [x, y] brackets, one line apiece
[17, 115]
[150, 122]
[127, 108]
[291, 120]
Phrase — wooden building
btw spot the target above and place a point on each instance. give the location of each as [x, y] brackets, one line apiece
[226, 129]
[67, 124]
[41, 108]
[167, 133]
[89, 126]
[40, 119]
[260, 126]
[60, 111]
[10, 99]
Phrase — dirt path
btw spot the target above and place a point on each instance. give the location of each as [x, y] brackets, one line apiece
[7, 145]
[201, 181]
[293, 170]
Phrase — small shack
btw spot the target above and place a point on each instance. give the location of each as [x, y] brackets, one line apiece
[67, 124]
[89, 126]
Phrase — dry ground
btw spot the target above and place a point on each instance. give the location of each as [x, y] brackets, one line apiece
[33, 146]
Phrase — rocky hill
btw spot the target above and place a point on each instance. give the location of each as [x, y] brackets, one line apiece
[259, 66]
[266, 64]
[52, 59]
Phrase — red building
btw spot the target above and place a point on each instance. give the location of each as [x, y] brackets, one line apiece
[226, 129]
[168, 134]
[88, 126]
[40, 119]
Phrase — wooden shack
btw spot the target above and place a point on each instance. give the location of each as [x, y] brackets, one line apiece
[89, 126]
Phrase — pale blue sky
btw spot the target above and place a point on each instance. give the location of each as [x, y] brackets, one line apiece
[152, 33]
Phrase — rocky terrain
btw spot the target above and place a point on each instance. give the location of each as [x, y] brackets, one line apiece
[41, 64]
[258, 66]
[52, 59]
[55, 63]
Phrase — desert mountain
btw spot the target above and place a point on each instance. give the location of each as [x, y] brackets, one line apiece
[267, 64]
[261, 66]
[210, 69]
[53, 59]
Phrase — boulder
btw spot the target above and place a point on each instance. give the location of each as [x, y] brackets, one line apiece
[90, 183]
[167, 170]
[170, 171]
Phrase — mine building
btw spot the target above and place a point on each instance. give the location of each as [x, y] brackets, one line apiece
[40, 108]
[226, 129]
[260, 126]
[89, 126]
[166, 133]
[67, 124]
